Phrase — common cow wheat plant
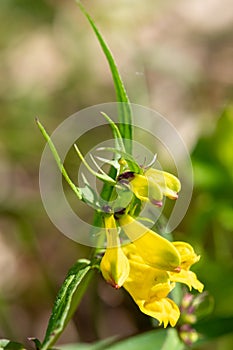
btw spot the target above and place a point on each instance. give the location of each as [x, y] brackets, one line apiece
[130, 252]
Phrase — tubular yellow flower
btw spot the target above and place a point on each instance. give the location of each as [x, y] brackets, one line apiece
[154, 249]
[148, 268]
[149, 288]
[152, 185]
[114, 264]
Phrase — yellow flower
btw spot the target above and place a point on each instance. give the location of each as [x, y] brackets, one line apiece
[148, 268]
[154, 249]
[152, 185]
[150, 286]
[114, 264]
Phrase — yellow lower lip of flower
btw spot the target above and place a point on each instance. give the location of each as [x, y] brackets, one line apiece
[189, 278]
[150, 286]
[164, 310]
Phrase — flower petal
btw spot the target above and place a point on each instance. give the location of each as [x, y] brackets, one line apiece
[114, 264]
[187, 254]
[164, 310]
[154, 249]
[169, 184]
[149, 288]
[146, 190]
[188, 258]
[115, 267]
[156, 282]
[187, 277]
[139, 186]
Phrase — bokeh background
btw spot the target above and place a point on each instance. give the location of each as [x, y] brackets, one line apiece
[175, 57]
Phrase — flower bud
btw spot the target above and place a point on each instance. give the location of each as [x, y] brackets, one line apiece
[115, 267]
[114, 264]
[188, 334]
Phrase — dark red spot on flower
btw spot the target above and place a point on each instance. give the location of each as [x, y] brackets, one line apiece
[128, 175]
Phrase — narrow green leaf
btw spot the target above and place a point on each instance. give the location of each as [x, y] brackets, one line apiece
[99, 345]
[67, 300]
[112, 162]
[162, 339]
[10, 345]
[116, 133]
[89, 195]
[124, 197]
[133, 165]
[125, 117]
[103, 177]
[58, 160]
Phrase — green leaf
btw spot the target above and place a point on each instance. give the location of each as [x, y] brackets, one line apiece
[103, 177]
[10, 345]
[124, 197]
[58, 160]
[116, 133]
[172, 341]
[163, 339]
[133, 165]
[211, 328]
[67, 300]
[113, 162]
[89, 195]
[99, 345]
[125, 117]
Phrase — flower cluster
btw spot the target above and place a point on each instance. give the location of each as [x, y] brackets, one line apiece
[148, 267]
[192, 308]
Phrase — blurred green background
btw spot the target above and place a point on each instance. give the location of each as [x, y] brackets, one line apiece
[175, 57]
